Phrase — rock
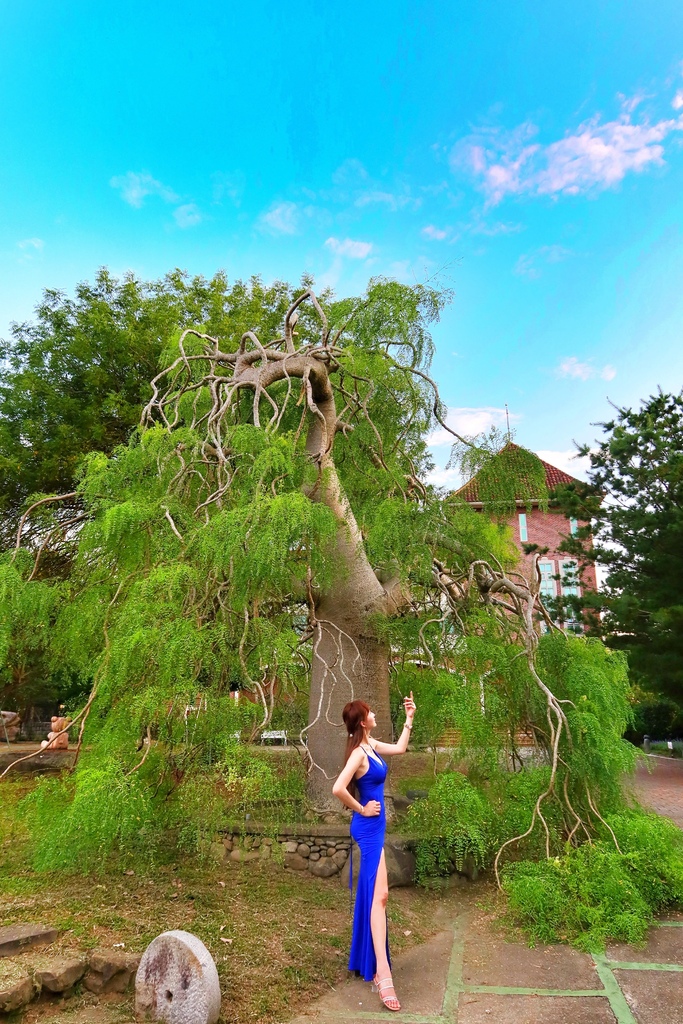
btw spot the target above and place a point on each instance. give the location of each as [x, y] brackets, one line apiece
[417, 794]
[289, 847]
[16, 938]
[340, 858]
[60, 975]
[227, 843]
[314, 856]
[17, 988]
[177, 981]
[331, 851]
[303, 850]
[315, 849]
[243, 856]
[295, 862]
[110, 971]
[218, 852]
[400, 862]
[401, 803]
[323, 868]
[264, 852]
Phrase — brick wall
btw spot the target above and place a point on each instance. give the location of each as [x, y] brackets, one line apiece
[548, 529]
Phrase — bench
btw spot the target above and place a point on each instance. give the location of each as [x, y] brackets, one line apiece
[276, 735]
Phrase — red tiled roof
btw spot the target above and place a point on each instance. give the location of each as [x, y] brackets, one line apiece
[553, 476]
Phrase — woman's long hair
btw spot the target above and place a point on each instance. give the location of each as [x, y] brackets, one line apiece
[354, 715]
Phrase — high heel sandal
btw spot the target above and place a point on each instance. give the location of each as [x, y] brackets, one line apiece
[380, 986]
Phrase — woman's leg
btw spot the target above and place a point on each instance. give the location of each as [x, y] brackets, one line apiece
[378, 926]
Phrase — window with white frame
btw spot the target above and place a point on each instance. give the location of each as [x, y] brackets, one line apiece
[570, 579]
[548, 584]
[573, 527]
[523, 536]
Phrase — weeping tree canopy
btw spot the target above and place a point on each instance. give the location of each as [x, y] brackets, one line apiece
[268, 527]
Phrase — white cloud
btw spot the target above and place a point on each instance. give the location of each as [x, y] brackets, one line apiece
[348, 247]
[468, 422]
[227, 186]
[528, 263]
[677, 101]
[187, 216]
[281, 218]
[434, 233]
[394, 201]
[440, 477]
[136, 186]
[37, 244]
[572, 367]
[568, 461]
[592, 158]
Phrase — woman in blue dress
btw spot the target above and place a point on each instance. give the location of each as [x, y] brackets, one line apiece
[360, 787]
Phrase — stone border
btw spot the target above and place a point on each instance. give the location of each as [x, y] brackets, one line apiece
[300, 850]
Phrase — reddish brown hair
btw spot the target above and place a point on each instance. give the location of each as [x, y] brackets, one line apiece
[354, 715]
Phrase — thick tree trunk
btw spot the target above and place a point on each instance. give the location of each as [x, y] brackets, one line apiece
[348, 660]
[348, 663]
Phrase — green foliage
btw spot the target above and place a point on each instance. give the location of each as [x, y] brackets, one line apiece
[76, 826]
[635, 500]
[594, 894]
[654, 715]
[454, 823]
[103, 816]
[503, 472]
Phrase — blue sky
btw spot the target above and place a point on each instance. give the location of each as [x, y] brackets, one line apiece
[530, 154]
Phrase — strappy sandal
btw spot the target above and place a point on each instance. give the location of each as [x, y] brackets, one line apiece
[380, 987]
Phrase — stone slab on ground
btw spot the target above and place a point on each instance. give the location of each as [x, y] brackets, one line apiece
[486, 1008]
[654, 997]
[492, 961]
[60, 974]
[420, 977]
[110, 971]
[664, 946]
[17, 987]
[17, 938]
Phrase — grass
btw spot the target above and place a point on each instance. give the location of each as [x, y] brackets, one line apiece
[279, 938]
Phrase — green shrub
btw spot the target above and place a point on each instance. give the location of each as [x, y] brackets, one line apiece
[594, 894]
[454, 822]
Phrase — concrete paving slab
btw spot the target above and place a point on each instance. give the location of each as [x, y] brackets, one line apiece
[483, 1008]
[664, 946]
[491, 961]
[655, 997]
[419, 976]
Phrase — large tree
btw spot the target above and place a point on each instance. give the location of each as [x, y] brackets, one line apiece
[269, 524]
[634, 498]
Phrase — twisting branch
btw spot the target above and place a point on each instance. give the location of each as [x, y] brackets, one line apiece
[36, 504]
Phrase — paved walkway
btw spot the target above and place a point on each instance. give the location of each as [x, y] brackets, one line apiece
[469, 974]
[659, 784]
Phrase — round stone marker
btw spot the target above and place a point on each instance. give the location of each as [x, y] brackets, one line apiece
[177, 981]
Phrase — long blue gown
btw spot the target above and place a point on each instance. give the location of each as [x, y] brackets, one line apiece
[369, 834]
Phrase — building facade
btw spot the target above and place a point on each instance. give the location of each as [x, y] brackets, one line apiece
[530, 524]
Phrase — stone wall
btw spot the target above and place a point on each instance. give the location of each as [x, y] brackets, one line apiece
[322, 850]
